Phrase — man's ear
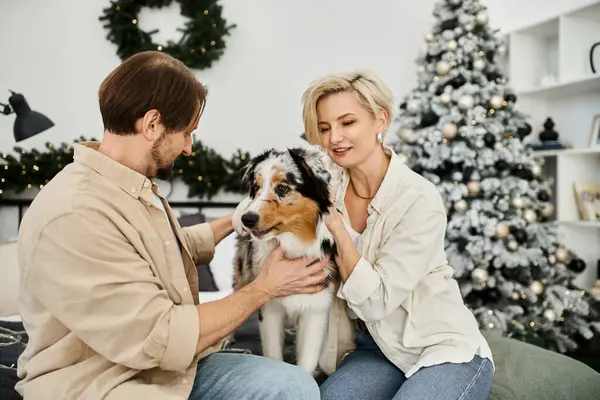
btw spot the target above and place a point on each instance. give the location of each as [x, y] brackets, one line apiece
[150, 125]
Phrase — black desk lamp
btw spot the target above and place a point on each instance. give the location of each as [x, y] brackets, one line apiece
[28, 123]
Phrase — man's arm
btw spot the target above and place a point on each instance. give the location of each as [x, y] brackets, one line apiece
[88, 274]
[221, 227]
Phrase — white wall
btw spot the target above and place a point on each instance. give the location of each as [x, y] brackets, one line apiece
[55, 53]
[513, 14]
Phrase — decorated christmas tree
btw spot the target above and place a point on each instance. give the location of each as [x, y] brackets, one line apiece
[460, 129]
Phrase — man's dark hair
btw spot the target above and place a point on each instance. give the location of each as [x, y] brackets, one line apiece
[150, 80]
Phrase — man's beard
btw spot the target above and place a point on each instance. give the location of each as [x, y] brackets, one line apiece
[164, 170]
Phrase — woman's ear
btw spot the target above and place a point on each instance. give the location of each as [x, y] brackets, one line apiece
[382, 120]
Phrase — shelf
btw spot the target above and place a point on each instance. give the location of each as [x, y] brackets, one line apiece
[581, 224]
[568, 152]
[573, 87]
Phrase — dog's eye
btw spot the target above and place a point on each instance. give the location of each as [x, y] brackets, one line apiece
[254, 188]
[282, 190]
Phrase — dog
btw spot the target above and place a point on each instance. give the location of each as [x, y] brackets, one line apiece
[289, 196]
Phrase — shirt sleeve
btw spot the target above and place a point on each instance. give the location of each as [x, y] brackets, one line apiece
[200, 241]
[410, 252]
[89, 276]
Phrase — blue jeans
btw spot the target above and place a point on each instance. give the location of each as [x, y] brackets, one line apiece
[225, 376]
[366, 374]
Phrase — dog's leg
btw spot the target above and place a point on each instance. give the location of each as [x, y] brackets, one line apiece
[310, 338]
[272, 329]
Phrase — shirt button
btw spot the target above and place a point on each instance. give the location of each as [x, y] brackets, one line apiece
[185, 289]
[184, 381]
[167, 243]
[146, 184]
[132, 190]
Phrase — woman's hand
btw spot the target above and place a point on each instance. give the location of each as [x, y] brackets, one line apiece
[333, 219]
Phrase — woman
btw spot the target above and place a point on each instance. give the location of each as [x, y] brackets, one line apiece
[411, 334]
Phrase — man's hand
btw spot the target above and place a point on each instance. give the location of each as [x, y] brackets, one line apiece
[282, 277]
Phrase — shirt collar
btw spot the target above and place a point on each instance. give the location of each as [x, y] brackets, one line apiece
[130, 181]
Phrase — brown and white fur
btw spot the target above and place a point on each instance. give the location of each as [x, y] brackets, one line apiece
[289, 197]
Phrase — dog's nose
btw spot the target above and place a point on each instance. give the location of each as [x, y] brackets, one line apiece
[250, 219]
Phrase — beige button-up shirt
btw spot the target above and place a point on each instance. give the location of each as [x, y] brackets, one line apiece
[403, 287]
[109, 287]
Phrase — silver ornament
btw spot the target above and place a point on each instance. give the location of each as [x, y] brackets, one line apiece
[502, 230]
[479, 143]
[479, 275]
[452, 45]
[537, 287]
[466, 102]
[502, 50]
[429, 37]
[536, 170]
[420, 68]
[457, 176]
[449, 130]
[513, 245]
[469, 27]
[552, 259]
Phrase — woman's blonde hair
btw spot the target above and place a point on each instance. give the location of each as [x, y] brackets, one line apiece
[372, 93]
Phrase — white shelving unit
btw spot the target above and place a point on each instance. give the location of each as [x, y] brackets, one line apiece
[560, 46]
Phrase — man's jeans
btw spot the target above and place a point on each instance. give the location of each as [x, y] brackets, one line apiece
[225, 376]
[366, 374]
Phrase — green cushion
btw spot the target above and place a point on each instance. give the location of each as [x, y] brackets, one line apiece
[524, 371]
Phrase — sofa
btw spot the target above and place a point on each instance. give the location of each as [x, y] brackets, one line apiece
[523, 371]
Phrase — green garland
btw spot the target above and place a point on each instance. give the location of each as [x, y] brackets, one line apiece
[205, 172]
[202, 42]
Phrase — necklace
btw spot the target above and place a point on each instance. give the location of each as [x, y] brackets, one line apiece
[356, 193]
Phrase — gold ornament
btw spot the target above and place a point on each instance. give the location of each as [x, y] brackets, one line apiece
[529, 215]
[460, 206]
[562, 255]
[479, 275]
[497, 101]
[502, 230]
[550, 315]
[406, 134]
[474, 187]
[443, 67]
[449, 130]
[537, 287]
[548, 210]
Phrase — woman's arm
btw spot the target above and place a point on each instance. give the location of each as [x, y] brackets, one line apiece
[347, 255]
[413, 249]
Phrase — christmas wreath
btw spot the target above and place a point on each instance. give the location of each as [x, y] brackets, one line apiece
[202, 42]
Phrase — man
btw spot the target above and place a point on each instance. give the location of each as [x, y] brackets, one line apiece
[109, 290]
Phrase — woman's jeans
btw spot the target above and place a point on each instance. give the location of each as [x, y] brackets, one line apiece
[366, 374]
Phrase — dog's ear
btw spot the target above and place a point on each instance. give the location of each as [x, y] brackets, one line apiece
[314, 176]
[249, 171]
